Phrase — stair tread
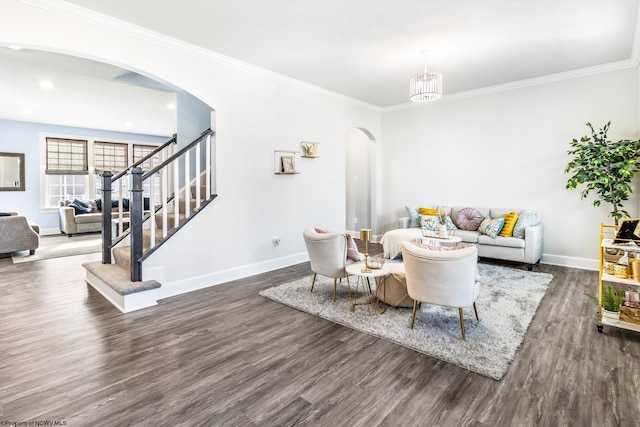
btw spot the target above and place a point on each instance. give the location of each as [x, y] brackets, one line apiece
[119, 278]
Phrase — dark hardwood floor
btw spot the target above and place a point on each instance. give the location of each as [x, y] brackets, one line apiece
[224, 356]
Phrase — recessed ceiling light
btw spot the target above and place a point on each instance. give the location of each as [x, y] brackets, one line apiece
[15, 47]
[46, 84]
[128, 124]
[27, 111]
[171, 106]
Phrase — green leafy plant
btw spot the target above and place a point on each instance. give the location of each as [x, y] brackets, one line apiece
[605, 167]
[611, 299]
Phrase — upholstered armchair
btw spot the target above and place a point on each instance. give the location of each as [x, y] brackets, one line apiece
[445, 277]
[17, 233]
[328, 256]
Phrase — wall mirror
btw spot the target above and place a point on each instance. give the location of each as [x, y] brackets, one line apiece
[11, 171]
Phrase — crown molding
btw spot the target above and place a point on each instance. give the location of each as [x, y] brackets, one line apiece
[112, 24]
[90, 17]
[536, 81]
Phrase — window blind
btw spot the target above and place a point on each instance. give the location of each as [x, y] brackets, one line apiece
[66, 157]
[110, 156]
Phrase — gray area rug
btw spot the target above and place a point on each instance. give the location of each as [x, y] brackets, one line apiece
[60, 245]
[506, 305]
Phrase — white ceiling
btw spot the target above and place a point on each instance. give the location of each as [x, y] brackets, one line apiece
[368, 49]
[85, 94]
[363, 49]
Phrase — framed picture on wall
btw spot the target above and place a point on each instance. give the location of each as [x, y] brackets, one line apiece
[288, 164]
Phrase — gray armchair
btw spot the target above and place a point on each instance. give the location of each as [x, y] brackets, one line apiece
[18, 234]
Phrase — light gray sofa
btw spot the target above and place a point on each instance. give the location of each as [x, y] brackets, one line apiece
[71, 224]
[527, 250]
[17, 233]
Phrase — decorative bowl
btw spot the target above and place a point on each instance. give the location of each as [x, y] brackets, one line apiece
[375, 262]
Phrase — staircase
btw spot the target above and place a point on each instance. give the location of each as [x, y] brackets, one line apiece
[166, 190]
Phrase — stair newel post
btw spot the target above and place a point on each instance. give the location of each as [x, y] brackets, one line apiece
[135, 218]
[106, 217]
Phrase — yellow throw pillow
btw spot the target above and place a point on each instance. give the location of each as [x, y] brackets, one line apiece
[428, 211]
[510, 220]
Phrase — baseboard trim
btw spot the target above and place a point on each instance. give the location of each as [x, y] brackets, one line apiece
[195, 283]
[571, 262]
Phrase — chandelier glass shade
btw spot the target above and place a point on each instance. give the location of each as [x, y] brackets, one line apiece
[425, 87]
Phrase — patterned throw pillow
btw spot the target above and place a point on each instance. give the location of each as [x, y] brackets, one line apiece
[491, 227]
[509, 222]
[469, 219]
[526, 219]
[414, 216]
[432, 223]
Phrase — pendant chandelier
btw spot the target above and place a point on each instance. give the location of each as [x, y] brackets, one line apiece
[425, 86]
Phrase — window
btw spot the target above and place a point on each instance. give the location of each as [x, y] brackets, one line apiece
[72, 167]
[66, 170]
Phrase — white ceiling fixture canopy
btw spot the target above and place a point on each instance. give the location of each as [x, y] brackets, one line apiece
[425, 87]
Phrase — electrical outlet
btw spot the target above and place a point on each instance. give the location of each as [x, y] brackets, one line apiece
[355, 220]
[276, 241]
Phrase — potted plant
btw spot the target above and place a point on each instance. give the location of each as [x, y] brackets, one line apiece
[611, 301]
[605, 167]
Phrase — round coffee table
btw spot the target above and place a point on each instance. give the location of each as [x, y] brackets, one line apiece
[440, 241]
[362, 276]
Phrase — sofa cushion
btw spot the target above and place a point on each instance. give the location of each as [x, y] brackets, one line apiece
[468, 236]
[468, 219]
[88, 218]
[526, 219]
[509, 242]
[509, 222]
[491, 227]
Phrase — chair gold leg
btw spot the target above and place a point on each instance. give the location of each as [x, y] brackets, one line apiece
[476, 310]
[349, 288]
[413, 317]
[335, 287]
[313, 282]
[464, 338]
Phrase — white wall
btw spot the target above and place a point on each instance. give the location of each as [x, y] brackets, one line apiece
[509, 150]
[254, 116]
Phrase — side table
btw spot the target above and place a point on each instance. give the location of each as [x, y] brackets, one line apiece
[382, 273]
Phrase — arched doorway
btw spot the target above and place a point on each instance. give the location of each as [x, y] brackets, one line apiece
[361, 180]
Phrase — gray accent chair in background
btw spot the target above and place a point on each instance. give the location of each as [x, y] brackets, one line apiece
[17, 233]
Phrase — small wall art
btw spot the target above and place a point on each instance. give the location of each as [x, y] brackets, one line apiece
[284, 162]
[309, 149]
